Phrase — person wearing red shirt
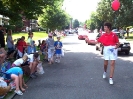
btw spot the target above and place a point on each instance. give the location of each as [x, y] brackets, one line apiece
[21, 45]
[110, 42]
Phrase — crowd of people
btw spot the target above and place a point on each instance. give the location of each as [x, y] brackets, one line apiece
[27, 57]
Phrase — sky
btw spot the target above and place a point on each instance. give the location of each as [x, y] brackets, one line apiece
[80, 9]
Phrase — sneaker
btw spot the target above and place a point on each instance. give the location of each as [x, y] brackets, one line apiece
[32, 76]
[56, 60]
[111, 81]
[104, 75]
[35, 74]
[18, 92]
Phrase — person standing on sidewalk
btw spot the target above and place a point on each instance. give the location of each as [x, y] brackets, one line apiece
[110, 42]
[58, 49]
[50, 47]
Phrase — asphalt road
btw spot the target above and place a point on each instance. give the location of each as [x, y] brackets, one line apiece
[79, 76]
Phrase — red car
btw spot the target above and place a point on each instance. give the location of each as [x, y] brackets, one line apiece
[82, 35]
[91, 38]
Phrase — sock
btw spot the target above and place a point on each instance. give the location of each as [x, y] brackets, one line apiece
[110, 77]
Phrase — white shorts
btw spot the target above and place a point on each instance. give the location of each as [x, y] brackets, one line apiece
[110, 53]
[58, 55]
[50, 53]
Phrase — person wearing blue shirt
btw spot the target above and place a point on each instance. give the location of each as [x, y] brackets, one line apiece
[16, 74]
[58, 49]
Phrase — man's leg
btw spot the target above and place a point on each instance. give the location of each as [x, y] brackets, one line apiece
[105, 65]
[105, 68]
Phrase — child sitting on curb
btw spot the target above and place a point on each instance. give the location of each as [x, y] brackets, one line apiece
[44, 50]
[58, 49]
[16, 74]
[33, 60]
[20, 61]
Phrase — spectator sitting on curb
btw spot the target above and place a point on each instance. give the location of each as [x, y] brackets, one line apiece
[43, 49]
[33, 60]
[16, 73]
[20, 61]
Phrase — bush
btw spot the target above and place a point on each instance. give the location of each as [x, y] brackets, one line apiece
[12, 27]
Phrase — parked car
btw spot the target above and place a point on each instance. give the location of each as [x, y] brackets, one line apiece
[124, 45]
[82, 35]
[131, 30]
[91, 38]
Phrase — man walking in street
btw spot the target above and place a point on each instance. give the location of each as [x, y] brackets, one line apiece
[110, 42]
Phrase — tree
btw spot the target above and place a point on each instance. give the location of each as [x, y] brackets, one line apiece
[15, 9]
[54, 18]
[75, 23]
[93, 22]
[122, 17]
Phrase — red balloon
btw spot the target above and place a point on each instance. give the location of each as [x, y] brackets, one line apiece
[115, 5]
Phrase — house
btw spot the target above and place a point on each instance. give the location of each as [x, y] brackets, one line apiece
[4, 20]
[29, 24]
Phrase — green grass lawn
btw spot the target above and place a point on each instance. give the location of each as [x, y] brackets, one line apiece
[36, 36]
[130, 38]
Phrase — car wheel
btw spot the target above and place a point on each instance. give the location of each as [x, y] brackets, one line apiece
[127, 52]
[101, 50]
[88, 43]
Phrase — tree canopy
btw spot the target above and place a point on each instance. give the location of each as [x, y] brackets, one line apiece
[54, 18]
[104, 13]
[15, 9]
[75, 23]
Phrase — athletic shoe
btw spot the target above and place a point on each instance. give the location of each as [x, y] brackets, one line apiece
[111, 81]
[56, 60]
[32, 76]
[104, 75]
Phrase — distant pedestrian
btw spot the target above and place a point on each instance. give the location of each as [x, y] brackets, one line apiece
[121, 31]
[110, 42]
[58, 49]
[127, 32]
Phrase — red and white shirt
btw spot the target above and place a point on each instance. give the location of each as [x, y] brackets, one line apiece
[108, 39]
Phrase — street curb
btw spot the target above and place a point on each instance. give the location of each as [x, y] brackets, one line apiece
[14, 94]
